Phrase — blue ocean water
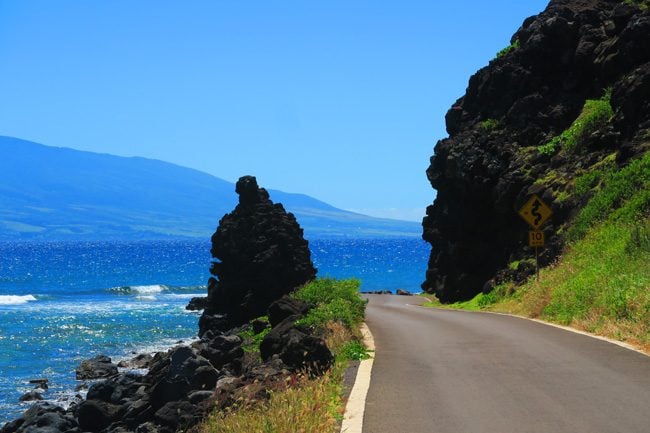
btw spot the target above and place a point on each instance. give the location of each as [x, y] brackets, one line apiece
[61, 303]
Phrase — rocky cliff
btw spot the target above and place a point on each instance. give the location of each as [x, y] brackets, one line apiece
[259, 254]
[570, 95]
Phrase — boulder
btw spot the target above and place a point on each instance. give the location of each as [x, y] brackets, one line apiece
[98, 367]
[177, 413]
[197, 303]
[40, 383]
[284, 307]
[116, 390]
[139, 361]
[221, 354]
[94, 415]
[259, 325]
[31, 396]
[178, 373]
[42, 417]
[296, 348]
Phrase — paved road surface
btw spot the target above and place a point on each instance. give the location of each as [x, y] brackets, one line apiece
[464, 372]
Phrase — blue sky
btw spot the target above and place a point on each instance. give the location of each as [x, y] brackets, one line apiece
[341, 100]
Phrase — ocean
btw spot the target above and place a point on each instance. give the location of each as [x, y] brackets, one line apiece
[61, 303]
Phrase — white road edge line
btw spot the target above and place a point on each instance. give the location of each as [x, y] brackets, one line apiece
[555, 325]
[356, 406]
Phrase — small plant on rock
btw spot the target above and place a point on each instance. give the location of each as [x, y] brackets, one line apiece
[595, 114]
[513, 46]
[489, 124]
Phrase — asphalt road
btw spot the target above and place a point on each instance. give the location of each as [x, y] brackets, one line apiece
[464, 372]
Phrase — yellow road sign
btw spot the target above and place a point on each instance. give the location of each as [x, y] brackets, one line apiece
[536, 238]
[535, 212]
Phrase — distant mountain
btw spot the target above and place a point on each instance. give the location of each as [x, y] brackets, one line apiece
[51, 193]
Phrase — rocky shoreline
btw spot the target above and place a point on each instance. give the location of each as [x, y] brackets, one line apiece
[260, 256]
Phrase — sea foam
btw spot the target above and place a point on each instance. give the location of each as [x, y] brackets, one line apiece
[148, 290]
[16, 299]
[139, 290]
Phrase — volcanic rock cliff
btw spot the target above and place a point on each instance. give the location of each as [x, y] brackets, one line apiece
[259, 254]
[526, 126]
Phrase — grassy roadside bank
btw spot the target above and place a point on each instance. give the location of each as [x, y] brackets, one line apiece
[304, 404]
[601, 283]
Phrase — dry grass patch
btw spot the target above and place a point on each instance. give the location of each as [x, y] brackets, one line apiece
[305, 406]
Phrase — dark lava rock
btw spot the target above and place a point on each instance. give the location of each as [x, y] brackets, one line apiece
[40, 383]
[490, 164]
[259, 325]
[31, 396]
[222, 350]
[197, 303]
[259, 254]
[296, 348]
[403, 292]
[176, 374]
[284, 307]
[116, 390]
[139, 361]
[177, 413]
[199, 396]
[94, 415]
[42, 417]
[98, 367]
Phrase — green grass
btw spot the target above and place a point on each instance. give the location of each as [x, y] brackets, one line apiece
[252, 341]
[334, 300]
[513, 46]
[601, 285]
[354, 351]
[623, 196]
[594, 115]
[608, 283]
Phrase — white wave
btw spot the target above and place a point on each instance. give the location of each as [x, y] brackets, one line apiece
[15, 299]
[148, 290]
[139, 290]
[146, 297]
[186, 295]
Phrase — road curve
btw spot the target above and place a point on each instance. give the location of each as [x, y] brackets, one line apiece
[443, 371]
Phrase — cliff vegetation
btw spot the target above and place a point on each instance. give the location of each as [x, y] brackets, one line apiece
[600, 283]
[562, 112]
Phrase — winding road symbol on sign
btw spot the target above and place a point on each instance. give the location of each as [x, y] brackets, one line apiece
[535, 212]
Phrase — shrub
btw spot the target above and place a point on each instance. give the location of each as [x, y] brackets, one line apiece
[551, 147]
[487, 299]
[252, 341]
[594, 115]
[334, 300]
[354, 351]
[513, 46]
[489, 124]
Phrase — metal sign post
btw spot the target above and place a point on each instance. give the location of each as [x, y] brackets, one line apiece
[535, 212]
